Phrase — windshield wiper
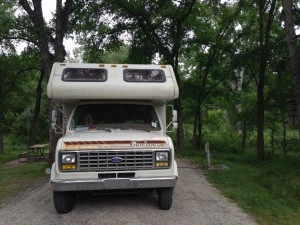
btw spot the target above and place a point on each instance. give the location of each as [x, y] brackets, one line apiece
[130, 128]
[106, 129]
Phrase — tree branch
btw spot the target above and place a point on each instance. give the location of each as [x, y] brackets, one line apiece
[190, 8]
[26, 6]
[19, 38]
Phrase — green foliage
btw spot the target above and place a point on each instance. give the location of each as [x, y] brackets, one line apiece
[220, 134]
[212, 52]
[7, 24]
[18, 96]
[269, 190]
[118, 56]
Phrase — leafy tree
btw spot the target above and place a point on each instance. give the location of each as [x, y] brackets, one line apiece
[154, 27]
[208, 58]
[7, 22]
[293, 48]
[255, 51]
[60, 26]
[267, 11]
[18, 29]
[224, 56]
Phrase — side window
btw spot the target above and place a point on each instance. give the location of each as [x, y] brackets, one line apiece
[84, 75]
[144, 75]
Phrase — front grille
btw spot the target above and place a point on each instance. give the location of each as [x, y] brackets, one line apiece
[115, 175]
[112, 160]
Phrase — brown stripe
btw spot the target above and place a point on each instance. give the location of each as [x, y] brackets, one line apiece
[112, 142]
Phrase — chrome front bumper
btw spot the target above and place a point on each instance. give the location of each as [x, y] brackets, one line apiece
[113, 184]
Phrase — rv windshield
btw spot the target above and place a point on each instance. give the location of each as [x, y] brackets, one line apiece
[114, 116]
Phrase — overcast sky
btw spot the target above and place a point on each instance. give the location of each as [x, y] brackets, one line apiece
[49, 7]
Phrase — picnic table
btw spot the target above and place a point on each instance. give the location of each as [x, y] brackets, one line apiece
[35, 152]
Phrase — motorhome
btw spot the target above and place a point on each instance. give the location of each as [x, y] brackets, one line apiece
[114, 124]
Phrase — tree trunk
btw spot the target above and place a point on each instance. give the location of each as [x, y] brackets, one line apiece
[1, 129]
[281, 108]
[180, 130]
[195, 127]
[36, 16]
[197, 119]
[264, 41]
[178, 107]
[260, 117]
[62, 17]
[1, 112]
[294, 55]
[61, 22]
[37, 108]
[260, 86]
[53, 137]
[244, 136]
[200, 126]
[273, 134]
[283, 133]
[238, 87]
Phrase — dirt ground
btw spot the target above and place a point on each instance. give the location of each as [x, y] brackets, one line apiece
[196, 202]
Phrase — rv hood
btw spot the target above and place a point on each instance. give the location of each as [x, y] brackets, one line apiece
[115, 139]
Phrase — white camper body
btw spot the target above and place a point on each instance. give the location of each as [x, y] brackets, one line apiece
[113, 86]
[114, 125]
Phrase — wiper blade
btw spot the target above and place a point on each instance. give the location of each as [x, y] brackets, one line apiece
[130, 128]
[106, 129]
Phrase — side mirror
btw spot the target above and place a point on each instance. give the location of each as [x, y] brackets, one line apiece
[53, 116]
[54, 120]
[175, 125]
[174, 118]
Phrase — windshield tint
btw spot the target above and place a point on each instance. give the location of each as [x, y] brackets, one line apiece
[115, 116]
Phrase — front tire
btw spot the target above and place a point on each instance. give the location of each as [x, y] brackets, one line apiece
[165, 198]
[64, 201]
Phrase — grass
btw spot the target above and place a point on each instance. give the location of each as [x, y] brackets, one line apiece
[269, 190]
[15, 179]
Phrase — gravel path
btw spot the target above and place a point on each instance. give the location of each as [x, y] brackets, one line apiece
[195, 202]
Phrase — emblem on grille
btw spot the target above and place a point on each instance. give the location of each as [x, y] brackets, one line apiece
[133, 143]
[116, 159]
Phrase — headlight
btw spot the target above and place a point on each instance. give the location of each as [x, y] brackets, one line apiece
[162, 156]
[162, 159]
[68, 158]
[68, 161]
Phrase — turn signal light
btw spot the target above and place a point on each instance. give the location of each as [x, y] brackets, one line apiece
[68, 167]
[161, 164]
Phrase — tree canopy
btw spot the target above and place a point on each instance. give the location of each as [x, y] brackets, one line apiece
[236, 62]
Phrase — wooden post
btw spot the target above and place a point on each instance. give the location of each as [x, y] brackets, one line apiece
[208, 155]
